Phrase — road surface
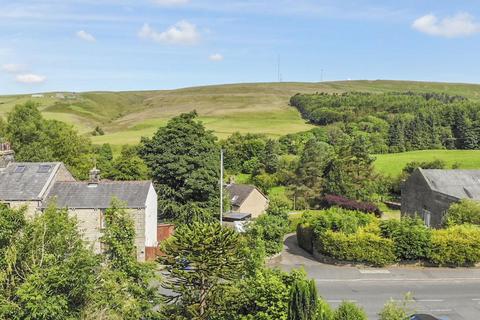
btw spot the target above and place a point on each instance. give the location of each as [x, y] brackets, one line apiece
[448, 293]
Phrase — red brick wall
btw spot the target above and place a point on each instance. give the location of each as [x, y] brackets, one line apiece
[164, 231]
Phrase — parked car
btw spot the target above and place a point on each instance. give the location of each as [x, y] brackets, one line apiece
[423, 317]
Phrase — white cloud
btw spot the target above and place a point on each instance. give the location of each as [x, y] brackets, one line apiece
[183, 32]
[459, 25]
[170, 3]
[13, 67]
[216, 57]
[85, 36]
[30, 78]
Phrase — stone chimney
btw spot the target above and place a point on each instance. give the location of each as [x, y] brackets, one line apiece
[7, 155]
[94, 175]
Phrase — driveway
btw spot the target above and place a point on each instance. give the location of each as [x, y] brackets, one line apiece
[445, 292]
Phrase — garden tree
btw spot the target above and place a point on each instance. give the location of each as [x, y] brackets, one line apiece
[35, 139]
[128, 166]
[271, 229]
[124, 288]
[351, 173]
[462, 212]
[349, 311]
[184, 162]
[311, 167]
[3, 128]
[103, 159]
[303, 302]
[11, 222]
[271, 156]
[279, 205]
[49, 270]
[199, 259]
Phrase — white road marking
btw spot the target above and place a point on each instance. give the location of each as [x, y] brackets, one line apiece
[476, 299]
[374, 271]
[440, 310]
[400, 280]
[340, 301]
[429, 300]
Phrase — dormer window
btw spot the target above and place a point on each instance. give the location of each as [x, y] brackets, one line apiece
[234, 198]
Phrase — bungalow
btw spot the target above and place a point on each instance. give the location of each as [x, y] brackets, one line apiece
[247, 199]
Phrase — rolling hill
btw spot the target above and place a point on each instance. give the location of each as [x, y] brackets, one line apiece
[255, 107]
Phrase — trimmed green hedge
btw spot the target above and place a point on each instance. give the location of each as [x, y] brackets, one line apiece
[456, 246]
[305, 238]
[359, 247]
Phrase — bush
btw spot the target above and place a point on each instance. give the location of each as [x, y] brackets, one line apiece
[357, 247]
[324, 311]
[279, 206]
[465, 211]
[349, 311]
[456, 246]
[341, 220]
[411, 237]
[345, 203]
[271, 229]
[393, 310]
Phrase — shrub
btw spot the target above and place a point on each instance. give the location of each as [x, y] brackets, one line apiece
[465, 211]
[303, 304]
[324, 311]
[341, 220]
[279, 206]
[411, 237]
[345, 203]
[456, 246]
[349, 311]
[393, 310]
[272, 230]
[358, 247]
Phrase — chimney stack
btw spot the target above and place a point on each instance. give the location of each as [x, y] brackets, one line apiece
[94, 175]
[7, 155]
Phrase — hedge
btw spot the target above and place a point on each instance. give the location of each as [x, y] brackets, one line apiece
[331, 200]
[357, 247]
[411, 237]
[455, 246]
[305, 237]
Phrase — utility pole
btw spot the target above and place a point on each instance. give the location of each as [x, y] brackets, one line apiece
[221, 186]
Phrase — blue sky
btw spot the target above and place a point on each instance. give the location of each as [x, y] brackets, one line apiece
[81, 45]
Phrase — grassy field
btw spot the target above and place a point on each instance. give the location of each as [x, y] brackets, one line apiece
[255, 107]
[392, 164]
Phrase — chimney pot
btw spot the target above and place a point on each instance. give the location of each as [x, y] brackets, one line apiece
[7, 155]
[94, 175]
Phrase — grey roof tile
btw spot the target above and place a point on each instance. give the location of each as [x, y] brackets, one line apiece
[26, 181]
[239, 193]
[99, 195]
[457, 183]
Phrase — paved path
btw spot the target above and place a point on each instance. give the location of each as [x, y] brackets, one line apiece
[452, 294]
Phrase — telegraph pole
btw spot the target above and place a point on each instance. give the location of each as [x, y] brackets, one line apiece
[221, 186]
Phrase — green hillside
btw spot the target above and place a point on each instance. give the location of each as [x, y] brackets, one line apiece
[255, 108]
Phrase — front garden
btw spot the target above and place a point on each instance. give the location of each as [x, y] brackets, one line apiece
[348, 236]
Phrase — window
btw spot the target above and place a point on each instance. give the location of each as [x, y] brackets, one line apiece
[427, 217]
[103, 221]
[44, 168]
[20, 169]
[234, 198]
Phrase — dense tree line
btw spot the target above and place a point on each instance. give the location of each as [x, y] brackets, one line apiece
[396, 122]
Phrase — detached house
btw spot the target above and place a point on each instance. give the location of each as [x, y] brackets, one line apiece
[247, 199]
[36, 185]
[429, 193]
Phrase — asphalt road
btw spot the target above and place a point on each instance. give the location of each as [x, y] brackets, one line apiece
[452, 294]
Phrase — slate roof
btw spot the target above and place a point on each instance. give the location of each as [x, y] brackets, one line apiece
[26, 181]
[236, 216]
[456, 183]
[239, 193]
[99, 195]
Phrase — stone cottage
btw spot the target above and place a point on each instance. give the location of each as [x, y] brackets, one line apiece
[428, 193]
[35, 185]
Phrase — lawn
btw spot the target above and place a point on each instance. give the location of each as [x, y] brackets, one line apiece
[393, 163]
